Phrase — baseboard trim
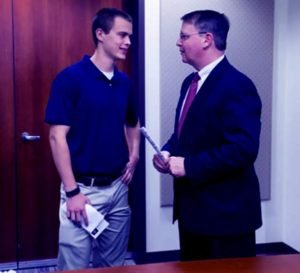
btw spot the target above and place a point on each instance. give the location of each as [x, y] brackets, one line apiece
[28, 264]
[157, 257]
[275, 248]
[41, 263]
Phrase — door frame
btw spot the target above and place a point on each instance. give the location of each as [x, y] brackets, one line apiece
[137, 196]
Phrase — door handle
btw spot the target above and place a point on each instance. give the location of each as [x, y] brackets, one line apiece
[26, 137]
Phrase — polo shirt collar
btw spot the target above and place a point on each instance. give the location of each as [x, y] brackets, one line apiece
[95, 72]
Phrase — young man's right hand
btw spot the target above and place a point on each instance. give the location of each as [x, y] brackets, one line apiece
[76, 208]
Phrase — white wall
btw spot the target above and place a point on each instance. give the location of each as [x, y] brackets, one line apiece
[288, 103]
[281, 215]
[161, 234]
[273, 210]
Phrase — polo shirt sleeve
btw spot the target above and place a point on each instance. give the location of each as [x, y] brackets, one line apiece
[132, 113]
[62, 101]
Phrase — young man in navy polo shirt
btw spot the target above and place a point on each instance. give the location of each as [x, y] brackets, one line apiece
[94, 138]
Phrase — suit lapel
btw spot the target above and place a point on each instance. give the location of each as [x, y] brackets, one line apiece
[204, 92]
[213, 78]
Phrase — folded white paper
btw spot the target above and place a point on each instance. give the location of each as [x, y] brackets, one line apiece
[97, 223]
[96, 220]
[151, 141]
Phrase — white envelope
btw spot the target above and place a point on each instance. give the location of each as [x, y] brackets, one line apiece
[96, 220]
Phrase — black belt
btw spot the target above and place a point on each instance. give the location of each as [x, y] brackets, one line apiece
[96, 181]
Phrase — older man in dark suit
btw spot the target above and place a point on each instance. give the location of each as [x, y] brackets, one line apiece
[212, 151]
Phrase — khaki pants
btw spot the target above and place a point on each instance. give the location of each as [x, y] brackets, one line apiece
[77, 248]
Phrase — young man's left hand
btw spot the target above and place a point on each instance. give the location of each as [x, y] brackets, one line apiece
[129, 171]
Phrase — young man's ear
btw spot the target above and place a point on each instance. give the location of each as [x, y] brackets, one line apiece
[99, 34]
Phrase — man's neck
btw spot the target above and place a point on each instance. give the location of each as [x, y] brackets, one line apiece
[209, 59]
[102, 62]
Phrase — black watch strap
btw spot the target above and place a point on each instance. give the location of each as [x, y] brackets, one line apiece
[72, 193]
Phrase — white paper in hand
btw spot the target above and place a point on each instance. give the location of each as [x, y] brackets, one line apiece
[153, 144]
[97, 223]
[96, 220]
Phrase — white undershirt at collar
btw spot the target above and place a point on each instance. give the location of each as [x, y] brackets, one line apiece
[108, 75]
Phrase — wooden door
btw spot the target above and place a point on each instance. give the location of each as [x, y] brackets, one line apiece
[7, 144]
[38, 39]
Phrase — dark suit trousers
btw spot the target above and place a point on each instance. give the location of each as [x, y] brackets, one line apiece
[199, 247]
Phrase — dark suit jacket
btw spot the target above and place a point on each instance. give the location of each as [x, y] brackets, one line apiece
[219, 140]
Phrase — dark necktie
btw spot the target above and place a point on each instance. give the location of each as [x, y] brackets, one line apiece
[189, 99]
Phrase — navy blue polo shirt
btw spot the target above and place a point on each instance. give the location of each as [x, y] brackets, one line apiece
[96, 109]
